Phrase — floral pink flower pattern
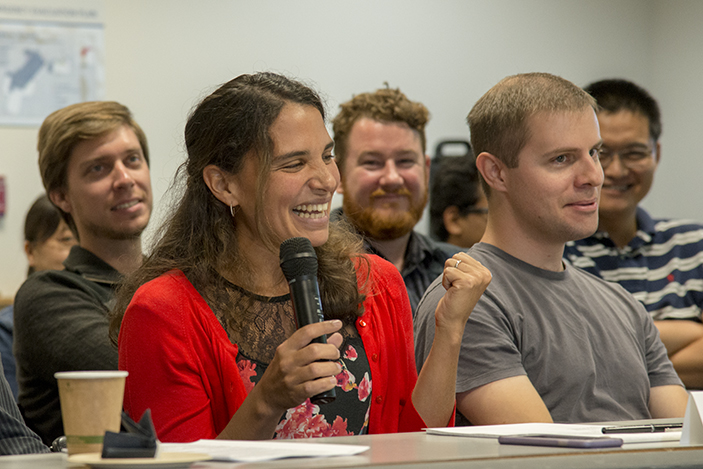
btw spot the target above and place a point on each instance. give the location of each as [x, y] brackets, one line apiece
[306, 420]
[247, 370]
[350, 353]
[345, 379]
[365, 388]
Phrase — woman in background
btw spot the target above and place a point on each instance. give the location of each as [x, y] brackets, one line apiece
[47, 242]
[209, 336]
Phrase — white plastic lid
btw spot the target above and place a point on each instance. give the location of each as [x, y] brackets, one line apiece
[103, 374]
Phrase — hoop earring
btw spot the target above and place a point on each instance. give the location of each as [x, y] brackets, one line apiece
[232, 210]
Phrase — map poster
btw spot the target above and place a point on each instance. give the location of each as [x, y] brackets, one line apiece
[49, 58]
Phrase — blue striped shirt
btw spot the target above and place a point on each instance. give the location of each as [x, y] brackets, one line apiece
[662, 266]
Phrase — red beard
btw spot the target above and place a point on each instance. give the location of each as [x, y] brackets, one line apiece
[381, 226]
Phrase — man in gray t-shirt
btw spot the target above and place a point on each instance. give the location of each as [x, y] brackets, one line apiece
[546, 341]
[588, 347]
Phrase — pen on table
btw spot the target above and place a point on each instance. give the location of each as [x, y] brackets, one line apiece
[654, 428]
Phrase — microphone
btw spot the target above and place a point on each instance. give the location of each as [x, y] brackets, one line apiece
[299, 265]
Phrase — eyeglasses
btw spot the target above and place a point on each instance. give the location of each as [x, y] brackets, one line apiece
[631, 158]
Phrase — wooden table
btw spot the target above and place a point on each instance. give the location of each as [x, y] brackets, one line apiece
[419, 450]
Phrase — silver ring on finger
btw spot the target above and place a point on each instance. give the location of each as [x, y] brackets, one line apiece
[456, 266]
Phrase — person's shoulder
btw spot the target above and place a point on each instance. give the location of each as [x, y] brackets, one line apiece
[439, 248]
[381, 282]
[588, 279]
[428, 304]
[665, 226]
[378, 269]
[47, 283]
[170, 296]
[676, 226]
[170, 286]
[488, 254]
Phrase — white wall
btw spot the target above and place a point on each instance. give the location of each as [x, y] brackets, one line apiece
[676, 69]
[163, 55]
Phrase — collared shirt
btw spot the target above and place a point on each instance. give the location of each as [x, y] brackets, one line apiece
[91, 267]
[662, 266]
[423, 261]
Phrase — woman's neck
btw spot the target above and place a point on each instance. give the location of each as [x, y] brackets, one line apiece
[256, 269]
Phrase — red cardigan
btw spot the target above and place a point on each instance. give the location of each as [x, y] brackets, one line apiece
[183, 366]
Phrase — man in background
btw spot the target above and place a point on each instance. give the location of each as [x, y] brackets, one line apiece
[380, 150]
[659, 261]
[547, 341]
[458, 207]
[93, 160]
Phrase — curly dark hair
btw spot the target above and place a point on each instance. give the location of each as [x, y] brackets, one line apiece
[224, 129]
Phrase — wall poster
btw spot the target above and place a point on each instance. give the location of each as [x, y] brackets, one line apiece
[52, 54]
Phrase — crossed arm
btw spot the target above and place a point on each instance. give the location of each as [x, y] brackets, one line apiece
[683, 340]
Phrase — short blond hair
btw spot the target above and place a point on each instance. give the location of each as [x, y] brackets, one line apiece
[62, 130]
[498, 122]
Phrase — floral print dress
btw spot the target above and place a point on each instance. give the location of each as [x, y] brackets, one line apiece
[265, 323]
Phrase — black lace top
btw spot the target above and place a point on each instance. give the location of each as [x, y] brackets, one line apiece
[259, 326]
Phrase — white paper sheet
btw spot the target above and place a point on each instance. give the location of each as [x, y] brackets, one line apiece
[254, 451]
[565, 429]
[693, 420]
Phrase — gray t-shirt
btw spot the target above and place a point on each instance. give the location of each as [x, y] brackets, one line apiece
[589, 348]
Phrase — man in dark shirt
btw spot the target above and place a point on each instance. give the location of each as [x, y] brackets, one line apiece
[380, 150]
[93, 160]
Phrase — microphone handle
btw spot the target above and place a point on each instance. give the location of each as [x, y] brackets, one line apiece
[305, 295]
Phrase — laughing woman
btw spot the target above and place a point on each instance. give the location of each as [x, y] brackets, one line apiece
[206, 327]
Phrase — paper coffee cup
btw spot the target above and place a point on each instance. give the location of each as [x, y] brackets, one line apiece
[91, 404]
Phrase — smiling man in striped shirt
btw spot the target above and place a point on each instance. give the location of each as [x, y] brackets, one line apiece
[659, 261]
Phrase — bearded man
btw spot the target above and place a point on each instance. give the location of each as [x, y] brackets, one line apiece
[380, 150]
